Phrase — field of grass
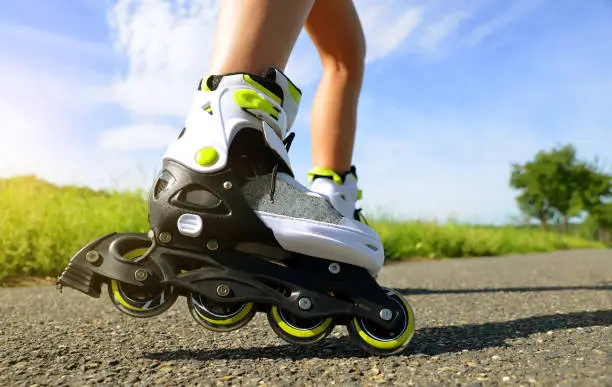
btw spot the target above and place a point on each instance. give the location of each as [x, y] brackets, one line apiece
[42, 226]
[432, 240]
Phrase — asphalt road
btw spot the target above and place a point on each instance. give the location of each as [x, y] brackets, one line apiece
[525, 320]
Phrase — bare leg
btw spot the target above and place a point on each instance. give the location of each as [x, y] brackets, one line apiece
[253, 35]
[336, 31]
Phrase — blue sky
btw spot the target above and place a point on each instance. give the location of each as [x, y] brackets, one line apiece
[93, 91]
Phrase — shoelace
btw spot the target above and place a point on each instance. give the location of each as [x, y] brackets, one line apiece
[287, 141]
[360, 217]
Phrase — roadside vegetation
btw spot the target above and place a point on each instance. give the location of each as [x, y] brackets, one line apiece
[43, 225]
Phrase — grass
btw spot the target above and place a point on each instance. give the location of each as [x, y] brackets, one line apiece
[432, 240]
[42, 226]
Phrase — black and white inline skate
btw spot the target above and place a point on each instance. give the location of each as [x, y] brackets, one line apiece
[235, 233]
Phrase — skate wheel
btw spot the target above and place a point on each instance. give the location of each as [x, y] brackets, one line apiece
[296, 330]
[219, 317]
[378, 340]
[138, 301]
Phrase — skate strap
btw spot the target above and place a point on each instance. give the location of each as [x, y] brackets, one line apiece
[265, 84]
[273, 83]
[337, 177]
[290, 105]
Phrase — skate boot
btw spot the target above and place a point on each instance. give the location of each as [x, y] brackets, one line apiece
[233, 232]
[340, 188]
[245, 132]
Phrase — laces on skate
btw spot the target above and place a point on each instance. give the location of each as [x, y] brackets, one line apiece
[287, 141]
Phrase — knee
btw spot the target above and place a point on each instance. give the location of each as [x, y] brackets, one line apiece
[347, 61]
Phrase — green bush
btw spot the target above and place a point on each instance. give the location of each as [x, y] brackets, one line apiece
[42, 226]
[452, 240]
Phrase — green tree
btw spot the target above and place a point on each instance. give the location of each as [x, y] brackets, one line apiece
[594, 186]
[602, 217]
[562, 188]
[536, 206]
[557, 183]
[532, 201]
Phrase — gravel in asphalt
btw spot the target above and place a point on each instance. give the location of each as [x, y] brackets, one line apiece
[532, 320]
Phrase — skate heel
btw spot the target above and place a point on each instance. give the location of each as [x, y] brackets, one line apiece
[97, 262]
[79, 277]
[133, 278]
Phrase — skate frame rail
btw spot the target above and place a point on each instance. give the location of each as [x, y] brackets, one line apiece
[250, 277]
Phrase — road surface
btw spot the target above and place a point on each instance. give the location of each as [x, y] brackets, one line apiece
[524, 320]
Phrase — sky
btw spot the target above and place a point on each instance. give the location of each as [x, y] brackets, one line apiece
[93, 91]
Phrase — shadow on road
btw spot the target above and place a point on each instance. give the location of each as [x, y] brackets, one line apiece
[427, 341]
[421, 291]
[439, 340]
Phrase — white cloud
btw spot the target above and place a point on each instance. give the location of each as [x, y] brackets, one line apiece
[138, 137]
[168, 47]
[516, 11]
[45, 123]
[11, 119]
[59, 42]
[440, 29]
[386, 25]
[36, 109]
[36, 144]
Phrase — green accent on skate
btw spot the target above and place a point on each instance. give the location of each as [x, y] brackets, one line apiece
[319, 171]
[115, 284]
[134, 254]
[301, 333]
[119, 297]
[295, 93]
[249, 99]
[204, 84]
[392, 344]
[208, 109]
[255, 84]
[206, 156]
[231, 320]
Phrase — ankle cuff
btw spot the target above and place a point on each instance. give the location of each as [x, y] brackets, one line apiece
[337, 177]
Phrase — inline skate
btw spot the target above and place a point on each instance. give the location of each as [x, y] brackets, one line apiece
[234, 233]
